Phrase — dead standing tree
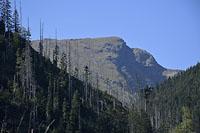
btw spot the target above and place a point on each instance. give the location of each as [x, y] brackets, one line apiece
[76, 53]
[41, 38]
[86, 75]
[69, 71]
[29, 84]
[97, 92]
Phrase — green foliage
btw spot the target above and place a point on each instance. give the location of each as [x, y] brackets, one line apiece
[16, 24]
[139, 122]
[75, 114]
[186, 125]
[16, 39]
[66, 115]
[7, 15]
[165, 102]
[49, 110]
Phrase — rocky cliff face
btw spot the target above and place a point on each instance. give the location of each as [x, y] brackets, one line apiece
[120, 69]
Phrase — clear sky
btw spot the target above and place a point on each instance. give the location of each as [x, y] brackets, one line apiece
[169, 29]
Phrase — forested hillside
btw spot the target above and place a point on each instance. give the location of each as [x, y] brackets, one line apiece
[174, 106]
[36, 96]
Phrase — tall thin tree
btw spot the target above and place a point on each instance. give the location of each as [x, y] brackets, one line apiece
[16, 22]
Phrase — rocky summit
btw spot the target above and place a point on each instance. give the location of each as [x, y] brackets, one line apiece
[120, 70]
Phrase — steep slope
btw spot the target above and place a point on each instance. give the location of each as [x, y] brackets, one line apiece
[119, 67]
[36, 96]
[175, 104]
[146, 59]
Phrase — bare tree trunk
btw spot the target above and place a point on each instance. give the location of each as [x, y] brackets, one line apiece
[4, 123]
[69, 71]
[47, 129]
[22, 118]
[78, 57]
[86, 83]
[97, 93]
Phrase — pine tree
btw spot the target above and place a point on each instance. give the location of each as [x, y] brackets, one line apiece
[69, 71]
[186, 125]
[41, 39]
[49, 108]
[55, 55]
[2, 27]
[97, 92]
[86, 82]
[28, 33]
[75, 114]
[63, 62]
[7, 15]
[2, 18]
[16, 22]
[16, 26]
[56, 97]
[1, 7]
[65, 116]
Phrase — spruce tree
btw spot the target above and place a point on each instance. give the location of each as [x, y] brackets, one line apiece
[65, 116]
[186, 126]
[55, 55]
[75, 113]
[41, 39]
[7, 15]
[63, 62]
[16, 22]
[16, 26]
[49, 108]
[1, 7]
[2, 17]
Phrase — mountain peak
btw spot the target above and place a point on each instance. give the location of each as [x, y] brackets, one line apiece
[119, 66]
[144, 57]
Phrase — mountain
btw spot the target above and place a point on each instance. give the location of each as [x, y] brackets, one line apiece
[118, 66]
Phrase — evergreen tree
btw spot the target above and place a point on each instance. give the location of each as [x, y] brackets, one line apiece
[65, 116]
[63, 62]
[86, 78]
[16, 22]
[41, 47]
[28, 33]
[7, 15]
[1, 7]
[41, 39]
[55, 55]
[56, 103]
[49, 108]
[2, 27]
[186, 125]
[2, 17]
[75, 114]
[16, 26]
[139, 122]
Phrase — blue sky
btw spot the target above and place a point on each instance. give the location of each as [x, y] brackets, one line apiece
[169, 29]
